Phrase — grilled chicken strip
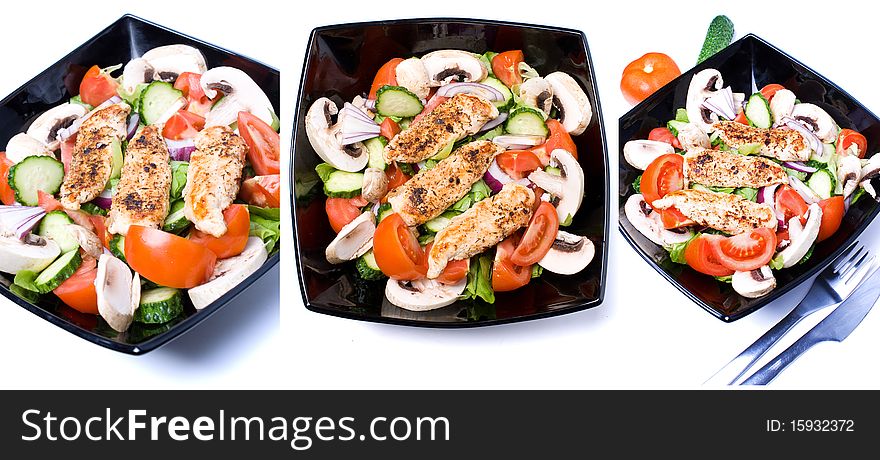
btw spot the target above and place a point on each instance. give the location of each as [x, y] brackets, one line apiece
[717, 168]
[722, 211]
[460, 116]
[92, 162]
[145, 186]
[213, 177]
[782, 144]
[481, 227]
[431, 191]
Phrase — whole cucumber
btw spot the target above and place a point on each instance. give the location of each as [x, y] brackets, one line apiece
[718, 37]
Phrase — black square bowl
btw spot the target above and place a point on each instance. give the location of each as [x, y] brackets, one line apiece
[737, 63]
[127, 38]
[340, 63]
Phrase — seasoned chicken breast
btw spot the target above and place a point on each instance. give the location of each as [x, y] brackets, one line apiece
[213, 177]
[92, 161]
[717, 168]
[782, 144]
[722, 211]
[432, 191]
[460, 116]
[142, 195]
[482, 226]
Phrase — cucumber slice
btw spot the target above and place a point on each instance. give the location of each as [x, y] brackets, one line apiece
[367, 267]
[156, 100]
[822, 183]
[445, 152]
[384, 211]
[116, 150]
[117, 246]
[508, 95]
[375, 146]
[53, 226]
[718, 37]
[397, 101]
[440, 222]
[57, 272]
[675, 126]
[176, 220]
[343, 184]
[35, 173]
[758, 111]
[159, 306]
[526, 121]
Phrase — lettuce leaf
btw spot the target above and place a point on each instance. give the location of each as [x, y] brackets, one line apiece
[676, 251]
[480, 280]
[178, 179]
[266, 225]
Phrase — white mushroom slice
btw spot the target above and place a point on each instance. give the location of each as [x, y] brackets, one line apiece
[241, 94]
[802, 238]
[353, 241]
[782, 104]
[169, 61]
[361, 104]
[640, 153]
[87, 239]
[46, 127]
[34, 254]
[568, 186]
[423, 295]
[569, 254]
[230, 272]
[22, 146]
[375, 185]
[870, 170]
[447, 66]
[412, 75]
[817, 120]
[326, 138]
[755, 283]
[118, 292]
[849, 174]
[537, 92]
[692, 137]
[703, 85]
[573, 105]
[137, 71]
[648, 223]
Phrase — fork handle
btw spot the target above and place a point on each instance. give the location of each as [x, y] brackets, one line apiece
[770, 370]
[738, 366]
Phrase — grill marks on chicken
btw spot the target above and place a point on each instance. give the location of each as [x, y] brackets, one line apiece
[722, 211]
[782, 144]
[717, 168]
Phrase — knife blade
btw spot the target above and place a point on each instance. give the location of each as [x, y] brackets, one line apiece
[836, 327]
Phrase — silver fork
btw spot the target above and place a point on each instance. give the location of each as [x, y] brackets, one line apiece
[831, 287]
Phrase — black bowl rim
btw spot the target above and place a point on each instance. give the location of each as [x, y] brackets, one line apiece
[459, 324]
[177, 329]
[776, 293]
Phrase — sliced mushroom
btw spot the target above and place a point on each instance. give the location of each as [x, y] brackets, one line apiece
[703, 85]
[692, 137]
[870, 170]
[817, 120]
[87, 239]
[326, 138]
[640, 153]
[137, 71]
[447, 66]
[755, 283]
[118, 292]
[45, 128]
[230, 272]
[169, 61]
[537, 92]
[568, 186]
[360, 103]
[23, 145]
[423, 295]
[412, 75]
[849, 174]
[782, 104]
[802, 237]
[375, 185]
[241, 94]
[33, 254]
[573, 105]
[353, 241]
[648, 223]
[569, 254]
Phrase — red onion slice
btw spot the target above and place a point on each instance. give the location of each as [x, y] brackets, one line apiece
[477, 89]
[133, 122]
[812, 140]
[767, 195]
[180, 150]
[493, 123]
[799, 166]
[357, 126]
[20, 220]
[722, 103]
[495, 178]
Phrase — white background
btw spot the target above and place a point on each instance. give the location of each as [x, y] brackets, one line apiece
[646, 335]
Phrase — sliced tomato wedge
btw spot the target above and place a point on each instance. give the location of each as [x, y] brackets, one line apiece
[673, 218]
[455, 270]
[518, 163]
[538, 237]
[396, 177]
[833, 210]
[100, 224]
[505, 66]
[189, 84]
[67, 151]
[557, 139]
[78, 291]
[48, 202]
[97, 86]
[7, 195]
[389, 128]
[663, 134]
[701, 256]
[746, 251]
[430, 106]
[506, 275]
[262, 191]
[167, 259]
[183, 125]
[741, 117]
[848, 138]
[341, 211]
[387, 75]
[770, 90]
[264, 144]
[663, 176]
[790, 203]
[397, 250]
[238, 225]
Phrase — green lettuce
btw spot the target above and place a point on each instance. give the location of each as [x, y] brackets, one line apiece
[676, 251]
[266, 225]
[480, 280]
[178, 179]
[748, 193]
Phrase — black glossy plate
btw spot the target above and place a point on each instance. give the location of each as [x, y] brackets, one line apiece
[340, 63]
[736, 63]
[127, 38]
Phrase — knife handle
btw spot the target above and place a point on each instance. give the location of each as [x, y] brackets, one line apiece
[770, 370]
